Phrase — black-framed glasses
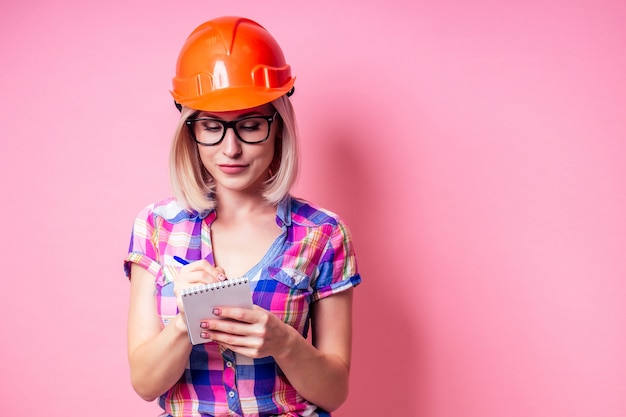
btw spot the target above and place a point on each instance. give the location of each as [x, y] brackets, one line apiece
[208, 131]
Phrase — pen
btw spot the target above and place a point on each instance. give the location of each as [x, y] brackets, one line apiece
[180, 260]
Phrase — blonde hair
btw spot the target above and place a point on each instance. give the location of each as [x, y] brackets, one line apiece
[193, 186]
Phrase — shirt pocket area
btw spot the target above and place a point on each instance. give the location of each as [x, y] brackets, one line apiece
[290, 277]
[287, 294]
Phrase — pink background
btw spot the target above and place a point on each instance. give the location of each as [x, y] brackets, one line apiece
[476, 148]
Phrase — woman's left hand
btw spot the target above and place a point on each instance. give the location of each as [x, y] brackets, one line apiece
[255, 332]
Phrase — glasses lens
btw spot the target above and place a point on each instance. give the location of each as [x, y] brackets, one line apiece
[208, 131]
[253, 129]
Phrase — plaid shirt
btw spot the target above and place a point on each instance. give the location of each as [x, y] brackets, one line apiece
[313, 258]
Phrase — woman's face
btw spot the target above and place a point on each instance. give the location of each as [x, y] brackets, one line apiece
[233, 164]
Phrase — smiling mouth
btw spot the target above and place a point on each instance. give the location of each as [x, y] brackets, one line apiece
[232, 168]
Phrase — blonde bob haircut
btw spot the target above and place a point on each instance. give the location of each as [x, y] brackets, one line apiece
[193, 186]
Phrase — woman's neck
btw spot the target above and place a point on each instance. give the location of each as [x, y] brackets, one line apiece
[234, 206]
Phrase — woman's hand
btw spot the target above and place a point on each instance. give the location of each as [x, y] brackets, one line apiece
[196, 273]
[318, 371]
[255, 333]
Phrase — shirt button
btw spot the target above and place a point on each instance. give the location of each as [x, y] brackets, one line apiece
[231, 394]
[229, 364]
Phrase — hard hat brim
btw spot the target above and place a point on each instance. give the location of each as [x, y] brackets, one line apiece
[235, 98]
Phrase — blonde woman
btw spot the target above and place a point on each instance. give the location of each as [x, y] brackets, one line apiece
[233, 161]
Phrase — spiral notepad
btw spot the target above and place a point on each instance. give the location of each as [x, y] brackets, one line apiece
[200, 301]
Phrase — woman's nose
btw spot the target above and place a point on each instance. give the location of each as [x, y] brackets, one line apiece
[231, 146]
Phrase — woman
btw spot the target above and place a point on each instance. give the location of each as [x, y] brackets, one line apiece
[233, 162]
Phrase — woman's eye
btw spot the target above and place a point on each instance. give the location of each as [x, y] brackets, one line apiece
[249, 126]
[211, 126]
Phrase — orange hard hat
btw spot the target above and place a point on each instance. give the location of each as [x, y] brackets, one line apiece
[230, 63]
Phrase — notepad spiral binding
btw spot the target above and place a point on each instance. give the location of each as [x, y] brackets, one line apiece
[214, 286]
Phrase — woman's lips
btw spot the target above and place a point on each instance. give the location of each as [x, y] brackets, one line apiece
[232, 168]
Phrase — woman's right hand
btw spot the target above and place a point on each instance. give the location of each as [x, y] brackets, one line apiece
[194, 274]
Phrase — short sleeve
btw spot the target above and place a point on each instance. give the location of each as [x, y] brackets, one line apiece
[143, 248]
[338, 267]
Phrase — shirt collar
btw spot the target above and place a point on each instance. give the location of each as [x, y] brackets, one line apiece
[283, 213]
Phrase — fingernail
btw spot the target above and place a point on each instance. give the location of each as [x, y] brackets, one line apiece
[217, 311]
[204, 325]
[204, 335]
[221, 277]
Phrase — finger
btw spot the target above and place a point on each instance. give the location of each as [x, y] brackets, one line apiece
[254, 315]
[227, 340]
[221, 328]
[199, 277]
[194, 278]
[248, 345]
[221, 273]
[205, 266]
[201, 265]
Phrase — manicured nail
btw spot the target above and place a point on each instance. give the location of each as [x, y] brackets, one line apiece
[204, 325]
[221, 277]
[217, 311]
[204, 335]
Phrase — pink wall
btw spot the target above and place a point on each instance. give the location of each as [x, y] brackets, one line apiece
[476, 148]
